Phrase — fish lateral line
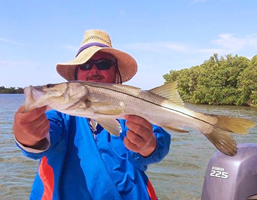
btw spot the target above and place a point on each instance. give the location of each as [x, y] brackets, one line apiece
[150, 102]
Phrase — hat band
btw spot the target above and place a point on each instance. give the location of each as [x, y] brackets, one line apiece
[90, 45]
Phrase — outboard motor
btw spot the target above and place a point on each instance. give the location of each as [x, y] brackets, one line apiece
[232, 178]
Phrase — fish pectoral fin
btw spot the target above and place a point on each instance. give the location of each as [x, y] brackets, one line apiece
[174, 129]
[110, 124]
[223, 141]
[115, 111]
[168, 91]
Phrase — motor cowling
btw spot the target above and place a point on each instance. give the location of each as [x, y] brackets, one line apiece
[232, 178]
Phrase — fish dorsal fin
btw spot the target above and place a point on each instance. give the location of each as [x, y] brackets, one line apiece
[110, 124]
[168, 91]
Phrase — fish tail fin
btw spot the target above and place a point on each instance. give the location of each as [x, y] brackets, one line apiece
[220, 136]
[223, 141]
[234, 125]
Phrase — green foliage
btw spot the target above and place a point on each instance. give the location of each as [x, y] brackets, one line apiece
[247, 84]
[230, 81]
[10, 90]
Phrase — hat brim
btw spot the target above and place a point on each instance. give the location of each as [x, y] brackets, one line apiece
[126, 63]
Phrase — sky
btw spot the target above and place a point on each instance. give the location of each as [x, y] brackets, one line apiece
[162, 35]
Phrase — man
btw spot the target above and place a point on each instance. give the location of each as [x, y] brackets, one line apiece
[78, 162]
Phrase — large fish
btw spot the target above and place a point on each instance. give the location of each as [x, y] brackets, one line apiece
[162, 106]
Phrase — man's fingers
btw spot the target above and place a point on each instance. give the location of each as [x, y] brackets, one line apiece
[130, 145]
[31, 127]
[29, 116]
[134, 138]
[42, 126]
[140, 137]
[139, 121]
[43, 129]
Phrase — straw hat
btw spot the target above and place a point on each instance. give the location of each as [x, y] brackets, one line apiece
[94, 41]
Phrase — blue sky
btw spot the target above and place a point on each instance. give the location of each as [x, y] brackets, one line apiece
[161, 35]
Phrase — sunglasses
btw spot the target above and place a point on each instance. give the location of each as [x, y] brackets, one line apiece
[102, 64]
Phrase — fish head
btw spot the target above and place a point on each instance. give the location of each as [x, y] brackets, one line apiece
[54, 95]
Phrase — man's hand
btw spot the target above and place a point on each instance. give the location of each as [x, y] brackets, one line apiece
[140, 137]
[31, 128]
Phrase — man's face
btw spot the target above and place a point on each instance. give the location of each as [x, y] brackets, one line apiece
[98, 75]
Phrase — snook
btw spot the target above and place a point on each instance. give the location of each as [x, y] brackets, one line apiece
[161, 106]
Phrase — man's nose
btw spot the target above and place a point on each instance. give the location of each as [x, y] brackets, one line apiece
[94, 69]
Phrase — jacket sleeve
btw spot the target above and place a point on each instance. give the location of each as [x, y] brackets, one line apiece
[55, 134]
[162, 149]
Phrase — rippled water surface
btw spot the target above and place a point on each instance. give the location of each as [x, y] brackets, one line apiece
[179, 176]
[16, 171]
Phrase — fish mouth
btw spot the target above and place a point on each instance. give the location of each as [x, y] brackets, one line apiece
[30, 98]
[28, 92]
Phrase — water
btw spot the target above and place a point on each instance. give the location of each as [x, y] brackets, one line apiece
[179, 176]
[16, 171]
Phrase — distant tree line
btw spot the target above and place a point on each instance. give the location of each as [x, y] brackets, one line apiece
[228, 81]
[11, 90]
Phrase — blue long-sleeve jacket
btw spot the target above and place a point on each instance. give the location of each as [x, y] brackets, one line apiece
[80, 165]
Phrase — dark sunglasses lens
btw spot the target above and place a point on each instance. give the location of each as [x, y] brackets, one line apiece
[104, 64]
[86, 66]
[100, 64]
